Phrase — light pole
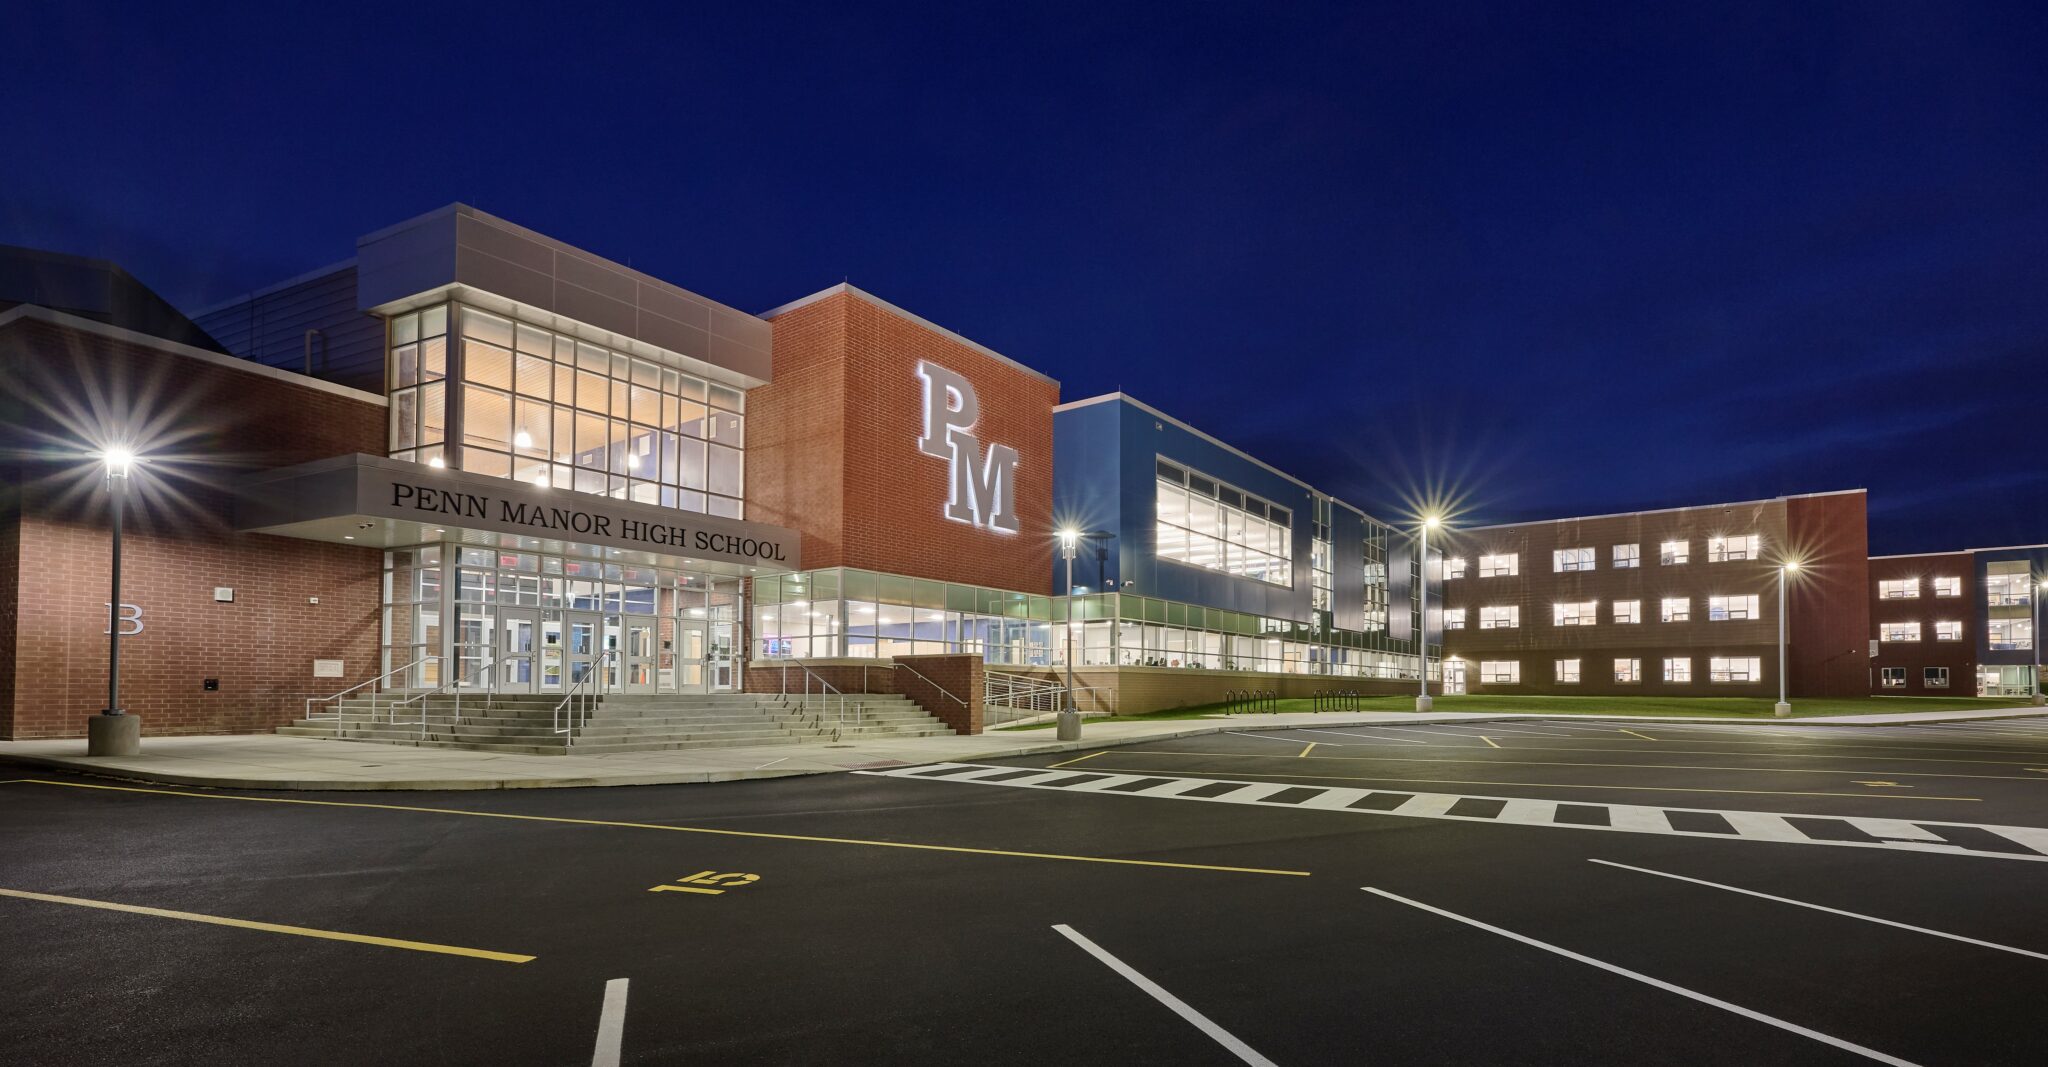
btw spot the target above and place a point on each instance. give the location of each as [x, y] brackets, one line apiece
[113, 732]
[1069, 728]
[1429, 522]
[1784, 707]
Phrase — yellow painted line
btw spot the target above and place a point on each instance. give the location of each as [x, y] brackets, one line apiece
[1836, 771]
[1555, 785]
[274, 928]
[760, 834]
[1645, 737]
[1071, 762]
[1304, 752]
[1488, 740]
[687, 889]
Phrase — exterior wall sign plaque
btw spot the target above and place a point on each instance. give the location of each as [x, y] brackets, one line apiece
[982, 490]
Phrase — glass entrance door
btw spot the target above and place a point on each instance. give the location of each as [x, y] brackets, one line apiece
[1454, 677]
[519, 650]
[582, 642]
[637, 655]
[691, 653]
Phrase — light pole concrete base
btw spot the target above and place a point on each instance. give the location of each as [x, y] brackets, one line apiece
[1424, 703]
[1782, 710]
[1069, 728]
[2040, 699]
[113, 735]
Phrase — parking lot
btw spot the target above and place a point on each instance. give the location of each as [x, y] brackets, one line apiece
[1503, 892]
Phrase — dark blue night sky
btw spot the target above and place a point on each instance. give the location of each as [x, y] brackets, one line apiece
[1557, 258]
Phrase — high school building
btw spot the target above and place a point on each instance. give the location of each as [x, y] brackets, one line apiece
[470, 456]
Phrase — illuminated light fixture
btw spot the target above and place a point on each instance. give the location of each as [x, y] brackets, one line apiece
[522, 439]
[118, 461]
[799, 603]
[1792, 566]
[936, 616]
[348, 537]
[436, 463]
[540, 481]
[632, 462]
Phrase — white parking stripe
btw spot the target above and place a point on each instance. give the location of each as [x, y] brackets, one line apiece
[1830, 911]
[1747, 1013]
[611, 1025]
[1180, 1007]
[1337, 733]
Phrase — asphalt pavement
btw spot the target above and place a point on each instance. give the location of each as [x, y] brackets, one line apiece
[1508, 893]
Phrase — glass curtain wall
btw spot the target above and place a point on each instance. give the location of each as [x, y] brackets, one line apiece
[836, 613]
[847, 613]
[521, 621]
[552, 410]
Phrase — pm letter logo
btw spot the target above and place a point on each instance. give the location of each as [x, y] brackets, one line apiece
[983, 490]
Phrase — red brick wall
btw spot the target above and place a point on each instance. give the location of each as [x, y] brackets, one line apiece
[832, 448]
[1960, 657]
[204, 425]
[1826, 627]
[1828, 603]
[946, 682]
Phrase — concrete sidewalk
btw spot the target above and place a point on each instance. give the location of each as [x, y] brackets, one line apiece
[267, 761]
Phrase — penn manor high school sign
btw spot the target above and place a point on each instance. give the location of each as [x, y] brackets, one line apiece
[315, 499]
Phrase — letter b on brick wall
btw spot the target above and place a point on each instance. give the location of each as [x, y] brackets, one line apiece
[981, 489]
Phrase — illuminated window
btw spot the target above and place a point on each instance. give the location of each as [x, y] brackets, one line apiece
[1628, 556]
[2009, 635]
[1723, 608]
[1678, 670]
[1500, 671]
[2008, 584]
[1671, 553]
[1899, 589]
[1206, 523]
[1934, 677]
[1501, 566]
[1454, 567]
[1506, 618]
[1948, 587]
[1567, 672]
[1948, 631]
[1725, 549]
[1571, 559]
[1899, 631]
[1628, 670]
[1677, 609]
[1628, 611]
[1454, 618]
[1892, 677]
[551, 410]
[1575, 613]
[1735, 669]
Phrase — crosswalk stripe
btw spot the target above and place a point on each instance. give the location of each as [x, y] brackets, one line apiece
[1907, 835]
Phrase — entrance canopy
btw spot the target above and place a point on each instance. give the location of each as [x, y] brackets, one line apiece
[372, 501]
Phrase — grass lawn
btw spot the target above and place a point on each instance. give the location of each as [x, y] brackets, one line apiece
[1719, 707]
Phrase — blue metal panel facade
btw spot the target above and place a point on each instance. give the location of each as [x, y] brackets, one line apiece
[1105, 457]
[2036, 558]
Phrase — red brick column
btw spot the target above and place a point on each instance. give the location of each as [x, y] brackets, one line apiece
[960, 676]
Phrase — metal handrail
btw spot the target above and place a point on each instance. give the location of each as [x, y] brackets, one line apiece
[575, 688]
[489, 664]
[901, 666]
[824, 687]
[310, 701]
